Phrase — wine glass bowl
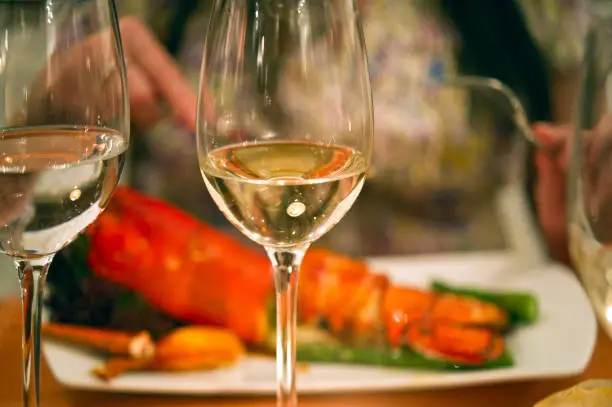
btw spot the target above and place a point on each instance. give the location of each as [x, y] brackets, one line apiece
[589, 155]
[284, 132]
[284, 194]
[456, 151]
[58, 182]
[64, 133]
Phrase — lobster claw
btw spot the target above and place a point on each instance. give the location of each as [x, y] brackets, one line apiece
[447, 327]
[181, 266]
[462, 345]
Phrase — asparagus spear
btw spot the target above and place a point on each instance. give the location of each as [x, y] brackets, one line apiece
[400, 358]
[316, 345]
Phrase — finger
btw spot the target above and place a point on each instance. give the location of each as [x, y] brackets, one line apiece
[144, 50]
[599, 143]
[550, 135]
[597, 184]
[559, 139]
[144, 109]
[555, 141]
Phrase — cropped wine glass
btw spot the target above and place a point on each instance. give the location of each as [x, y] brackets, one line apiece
[64, 131]
[590, 159]
[285, 133]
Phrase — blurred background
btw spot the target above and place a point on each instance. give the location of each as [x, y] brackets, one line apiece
[452, 171]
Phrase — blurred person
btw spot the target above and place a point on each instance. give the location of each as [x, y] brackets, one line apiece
[536, 50]
[163, 47]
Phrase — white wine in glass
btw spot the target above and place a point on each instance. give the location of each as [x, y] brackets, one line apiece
[283, 194]
[64, 133]
[285, 133]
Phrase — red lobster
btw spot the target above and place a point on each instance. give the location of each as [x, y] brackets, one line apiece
[196, 274]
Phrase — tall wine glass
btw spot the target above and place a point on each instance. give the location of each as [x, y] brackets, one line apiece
[590, 163]
[64, 132]
[285, 133]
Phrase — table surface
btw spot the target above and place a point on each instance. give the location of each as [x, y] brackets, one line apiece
[501, 395]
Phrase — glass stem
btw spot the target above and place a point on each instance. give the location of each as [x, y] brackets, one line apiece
[286, 264]
[32, 276]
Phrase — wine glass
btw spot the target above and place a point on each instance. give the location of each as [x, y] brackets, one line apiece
[285, 133]
[64, 131]
[447, 174]
[590, 158]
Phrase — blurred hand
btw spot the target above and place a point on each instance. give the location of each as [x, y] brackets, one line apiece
[551, 164]
[154, 78]
[596, 193]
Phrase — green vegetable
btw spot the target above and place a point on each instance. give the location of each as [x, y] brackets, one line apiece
[316, 345]
[522, 307]
[399, 358]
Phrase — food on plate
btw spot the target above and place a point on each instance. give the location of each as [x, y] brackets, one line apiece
[590, 393]
[147, 266]
[191, 347]
[133, 345]
[522, 308]
[183, 349]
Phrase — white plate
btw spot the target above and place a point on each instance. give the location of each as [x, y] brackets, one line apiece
[559, 345]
